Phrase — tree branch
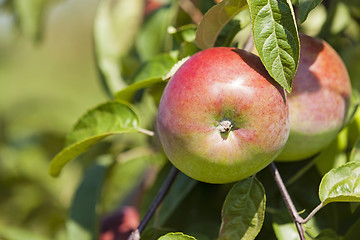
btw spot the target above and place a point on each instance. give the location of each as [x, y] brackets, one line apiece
[135, 235]
[289, 203]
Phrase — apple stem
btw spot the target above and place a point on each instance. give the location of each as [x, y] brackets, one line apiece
[135, 235]
[289, 203]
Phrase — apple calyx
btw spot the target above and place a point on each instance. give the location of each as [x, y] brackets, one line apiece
[224, 128]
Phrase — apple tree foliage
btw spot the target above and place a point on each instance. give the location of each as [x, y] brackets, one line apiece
[136, 53]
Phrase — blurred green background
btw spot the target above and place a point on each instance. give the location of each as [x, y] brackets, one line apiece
[44, 88]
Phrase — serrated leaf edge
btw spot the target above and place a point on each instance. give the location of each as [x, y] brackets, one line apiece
[328, 200]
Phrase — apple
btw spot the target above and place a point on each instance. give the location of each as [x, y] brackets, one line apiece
[120, 224]
[221, 117]
[319, 100]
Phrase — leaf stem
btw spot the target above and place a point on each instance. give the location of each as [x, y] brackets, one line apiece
[249, 45]
[289, 203]
[145, 131]
[135, 235]
[313, 212]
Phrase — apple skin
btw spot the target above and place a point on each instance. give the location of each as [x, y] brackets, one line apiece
[319, 100]
[214, 88]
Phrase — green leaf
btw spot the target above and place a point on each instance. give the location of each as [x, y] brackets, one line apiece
[107, 119]
[128, 93]
[17, 233]
[215, 19]
[353, 106]
[341, 184]
[153, 233]
[334, 154]
[151, 73]
[328, 234]
[30, 14]
[232, 28]
[243, 210]
[153, 37]
[353, 232]
[355, 152]
[305, 6]
[276, 38]
[115, 28]
[82, 223]
[157, 67]
[176, 236]
[180, 188]
[284, 227]
[186, 33]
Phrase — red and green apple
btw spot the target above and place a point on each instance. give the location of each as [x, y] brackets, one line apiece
[319, 100]
[222, 118]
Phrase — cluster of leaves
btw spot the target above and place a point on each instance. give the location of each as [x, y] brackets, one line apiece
[136, 52]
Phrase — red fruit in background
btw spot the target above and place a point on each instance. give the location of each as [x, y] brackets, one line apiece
[221, 117]
[152, 5]
[319, 100]
[120, 224]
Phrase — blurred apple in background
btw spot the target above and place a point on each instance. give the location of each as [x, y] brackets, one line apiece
[120, 224]
[319, 100]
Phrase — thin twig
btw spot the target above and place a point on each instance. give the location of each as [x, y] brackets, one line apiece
[135, 235]
[290, 205]
[313, 212]
[190, 8]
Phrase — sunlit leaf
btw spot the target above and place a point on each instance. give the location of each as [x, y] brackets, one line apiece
[243, 210]
[105, 120]
[176, 236]
[276, 38]
[30, 14]
[284, 226]
[82, 222]
[305, 6]
[341, 184]
[115, 27]
[215, 19]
